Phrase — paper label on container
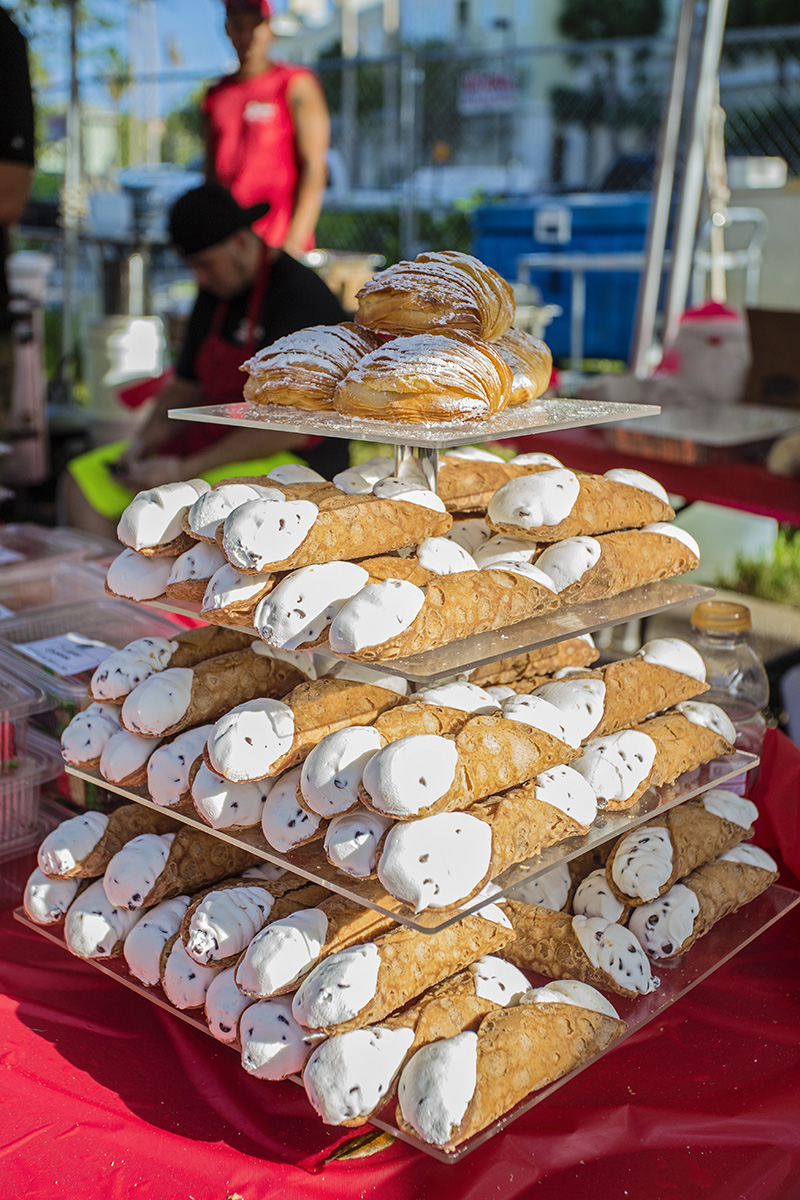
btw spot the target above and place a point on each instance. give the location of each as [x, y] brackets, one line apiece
[6, 612]
[68, 654]
[7, 555]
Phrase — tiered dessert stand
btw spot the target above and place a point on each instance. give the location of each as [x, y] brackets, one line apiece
[417, 448]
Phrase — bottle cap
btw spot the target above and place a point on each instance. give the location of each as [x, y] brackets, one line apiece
[722, 616]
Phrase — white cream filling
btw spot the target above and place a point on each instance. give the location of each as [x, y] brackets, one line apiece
[273, 1044]
[410, 774]
[752, 856]
[331, 774]
[437, 1085]
[125, 753]
[303, 604]
[186, 982]
[154, 517]
[46, 900]
[613, 948]
[504, 548]
[228, 586]
[710, 716]
[443, 556]
[643, 862]
[144, 943]
[282, 952]
[540, 714]
[466, 697]
[637, 479]
[358, 481]
[472, 454]
[211, 509]
[594, 898]
[391, 488]
[223, 804]
[246, 743]
[614, 766]
[532, 501]
[133, 871]
[283, 822]
[347, 1076]
[567, 562]
[226, 921]
[675, 654]
[200, 562]
[670, 529]
[470, 534]
[352, 839]
[582, 700]
[260, 531]
[93, 924]
[535, 459]
[137, 577]
[126, 668]
[729, 807]
[571, 991]
[437, 861]
[168, 767]
[224, 1006]
[88, 733]
[548, 890]
[379, 611]
[289, 473]
[498, 981]
[160, 702]
[71, 842]
[569, 792]
[338, 988]
[663, 925]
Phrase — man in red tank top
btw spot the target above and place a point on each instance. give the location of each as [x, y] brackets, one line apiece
[267, 132]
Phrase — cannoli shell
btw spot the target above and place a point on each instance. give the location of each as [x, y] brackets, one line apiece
[543, 661]
[125, 823]
[239, 612]
[603, 505]
[635, 688]
[179, 545]
[545, 942]
[196, 860]
[353, 527]
[457, 606]
[395, 566]
[721, 888]
[467, 485]
[408, 719]
[413, 961]
[192, 590]
[697, 837]
[590, 860]
[322, 706]
[681, 745]
[627, 560]
[521, 1050]
[198, 645]
[495, 753]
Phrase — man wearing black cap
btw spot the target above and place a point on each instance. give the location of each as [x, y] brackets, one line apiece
[250, 294]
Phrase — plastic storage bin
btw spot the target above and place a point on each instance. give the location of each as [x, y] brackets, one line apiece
[57, 649]
[27, 543]
[20, 792]
[19, 700]
[44, 585]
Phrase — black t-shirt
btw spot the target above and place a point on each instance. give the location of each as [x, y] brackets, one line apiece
[16, 124]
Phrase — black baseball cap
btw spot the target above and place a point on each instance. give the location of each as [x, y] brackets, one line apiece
[208, 215]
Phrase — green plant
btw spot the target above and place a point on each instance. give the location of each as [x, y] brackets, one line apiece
[776, 578]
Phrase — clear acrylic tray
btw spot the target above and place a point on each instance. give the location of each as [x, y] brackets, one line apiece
[678, 976]
[465, 655]
[537, 416]
[309, 861]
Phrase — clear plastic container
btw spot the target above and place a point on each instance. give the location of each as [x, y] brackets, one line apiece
[19, 700]
[57, 649]
[23, 544]
[20, 791]
[44, 585]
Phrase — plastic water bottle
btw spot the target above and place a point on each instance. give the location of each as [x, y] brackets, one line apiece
[737, 680]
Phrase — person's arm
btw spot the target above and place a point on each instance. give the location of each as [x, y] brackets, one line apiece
[15, 184]
[16, 122]
[312, 132]
[240, 445]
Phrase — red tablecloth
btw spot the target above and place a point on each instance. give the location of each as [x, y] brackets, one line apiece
[104, 1095]
[748, 486]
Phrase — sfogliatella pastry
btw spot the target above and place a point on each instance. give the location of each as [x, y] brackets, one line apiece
[350, 1076]
[303, 368]
[438, 290]
[123, 670]
[470, 476]
[589, 568]
[261, 535]
[151, 524]
[550, 506]
[428, 377]
[453, 1088]
[673, 923]
[531, 363]
[645, 863]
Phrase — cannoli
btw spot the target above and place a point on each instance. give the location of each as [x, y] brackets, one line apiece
[590, 949]
[671, 924]
[123, 670]
[502, 548]
[224, 1005]
[620, 767]
[303, 368]
[231, 598]
[46, 900]
[544, 660]
[284, 822]
[261, 536]
[181, 697]
[663, 673]
[192, 572]
[169, 768]
[185, 982]
[273, 1045]
[442, 860]
[132, 576]
[453, 1088]
[395, 618]
[645, 863]
[202, 519]
[144, 943]
[298, 611]
[360, 479]
[225, 805]
[350, 1076]
[366, 982]
[438, 290]
[354, 841]
[425, 774]
[468, 480]
[264, 737]
[587, 568]
[531, 364]
[290, 946]
[88, 733]
[94, 927]
[427, 377]
[221, 921]
[551, 506]
[551, 889]
[594, 898]
[82, 847]
[151, 524]
[152, 868]
[469, 532]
